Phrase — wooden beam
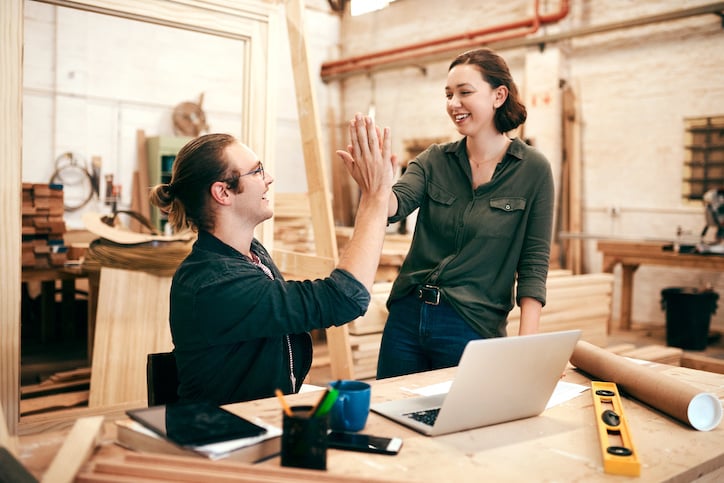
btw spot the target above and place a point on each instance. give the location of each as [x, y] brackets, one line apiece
[573, 201]
[324, 234]
[76, 449]
[139, 200]
[6, 440]
[53, 401]
[156, 467]
[702, 362]
[302, 265]
[343, 209]
[11, 95]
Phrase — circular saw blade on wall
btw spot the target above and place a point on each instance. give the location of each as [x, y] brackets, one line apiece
[189, 118]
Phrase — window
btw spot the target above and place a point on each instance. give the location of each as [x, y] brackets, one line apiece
[704, 161]
[360, 7]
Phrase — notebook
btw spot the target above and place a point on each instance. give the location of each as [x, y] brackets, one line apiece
[498, 380]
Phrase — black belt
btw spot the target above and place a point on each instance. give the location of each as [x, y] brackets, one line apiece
[429, 294]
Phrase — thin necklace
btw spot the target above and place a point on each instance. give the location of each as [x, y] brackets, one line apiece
[498, 156]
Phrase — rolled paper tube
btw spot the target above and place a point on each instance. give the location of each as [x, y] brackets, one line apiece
[701, 410]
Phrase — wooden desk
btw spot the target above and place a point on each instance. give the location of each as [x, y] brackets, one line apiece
[631, 255]
[560, 445]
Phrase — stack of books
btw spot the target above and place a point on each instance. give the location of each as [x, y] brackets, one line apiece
[43, 226]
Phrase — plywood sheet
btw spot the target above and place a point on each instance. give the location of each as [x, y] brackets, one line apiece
[131, 322]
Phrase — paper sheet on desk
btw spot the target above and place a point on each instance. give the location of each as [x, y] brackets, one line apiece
[563, 392]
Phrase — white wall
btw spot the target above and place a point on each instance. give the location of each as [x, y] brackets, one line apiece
[636, 86]
[91, 81]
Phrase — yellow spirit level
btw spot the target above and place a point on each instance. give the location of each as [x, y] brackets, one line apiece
[617, 448]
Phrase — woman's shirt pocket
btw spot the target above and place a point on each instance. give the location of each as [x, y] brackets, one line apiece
[503, 217]
[440, 208]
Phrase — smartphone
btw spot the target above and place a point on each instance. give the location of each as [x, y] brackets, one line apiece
[195, 424]
[363, 442]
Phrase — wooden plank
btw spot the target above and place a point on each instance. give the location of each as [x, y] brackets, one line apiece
[301, 265]
[572, 134]
[6, 440]
[341, 186]
[291, 205]
[144, 206]
[573, 281]
[131, 322]
[141, 184]
[317, 185]
[64, 419]
[54, 401]
[260, 471]
[702, 362]
[76, 449]
[656, 353]
[157, 467]
[324, 235]
[11, 94]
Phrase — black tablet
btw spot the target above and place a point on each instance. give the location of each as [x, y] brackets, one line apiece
[195, 424]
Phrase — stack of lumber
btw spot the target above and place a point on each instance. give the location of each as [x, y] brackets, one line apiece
[573, 302]
[63, 389]
[43, 226]
[293, 222]
[394, 251]
[365, 333]
[147, 468]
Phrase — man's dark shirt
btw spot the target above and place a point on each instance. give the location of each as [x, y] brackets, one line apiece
[230, 321]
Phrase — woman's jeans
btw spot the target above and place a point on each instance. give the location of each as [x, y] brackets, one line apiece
[421, 337]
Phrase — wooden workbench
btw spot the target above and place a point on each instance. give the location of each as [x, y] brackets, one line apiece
[560, 445]
[632, 254]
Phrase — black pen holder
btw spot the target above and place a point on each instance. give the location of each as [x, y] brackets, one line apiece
[304, 439]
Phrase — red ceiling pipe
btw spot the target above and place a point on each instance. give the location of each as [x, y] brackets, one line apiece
[410, 55]
[445, 44]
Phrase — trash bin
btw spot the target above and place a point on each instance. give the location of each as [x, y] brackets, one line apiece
[688, 316]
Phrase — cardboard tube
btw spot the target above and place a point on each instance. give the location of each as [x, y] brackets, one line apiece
[701, 410]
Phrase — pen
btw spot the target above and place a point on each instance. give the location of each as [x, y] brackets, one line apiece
[285, 406]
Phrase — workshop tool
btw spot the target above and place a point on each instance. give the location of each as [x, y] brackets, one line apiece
[617, 448]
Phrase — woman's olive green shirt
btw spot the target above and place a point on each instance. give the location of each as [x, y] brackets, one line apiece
[474, 243]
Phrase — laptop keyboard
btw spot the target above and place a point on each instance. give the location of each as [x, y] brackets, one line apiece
[427, 416]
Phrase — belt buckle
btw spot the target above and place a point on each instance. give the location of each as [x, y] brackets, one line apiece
[426, 290]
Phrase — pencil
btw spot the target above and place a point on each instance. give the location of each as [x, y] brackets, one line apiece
[285, 406]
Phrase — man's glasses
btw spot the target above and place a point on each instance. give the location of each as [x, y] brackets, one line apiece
[258, 170]
[233, 182]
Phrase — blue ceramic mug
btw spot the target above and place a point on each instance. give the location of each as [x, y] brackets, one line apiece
[350, 411]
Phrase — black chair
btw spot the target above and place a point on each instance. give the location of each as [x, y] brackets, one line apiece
[161, 378]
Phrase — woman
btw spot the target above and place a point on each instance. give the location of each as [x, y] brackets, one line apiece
[486, 210]
[239, 329]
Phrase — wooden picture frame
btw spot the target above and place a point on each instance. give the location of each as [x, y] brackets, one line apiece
[254, 22]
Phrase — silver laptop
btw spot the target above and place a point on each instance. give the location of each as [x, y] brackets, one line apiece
[497, 380]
